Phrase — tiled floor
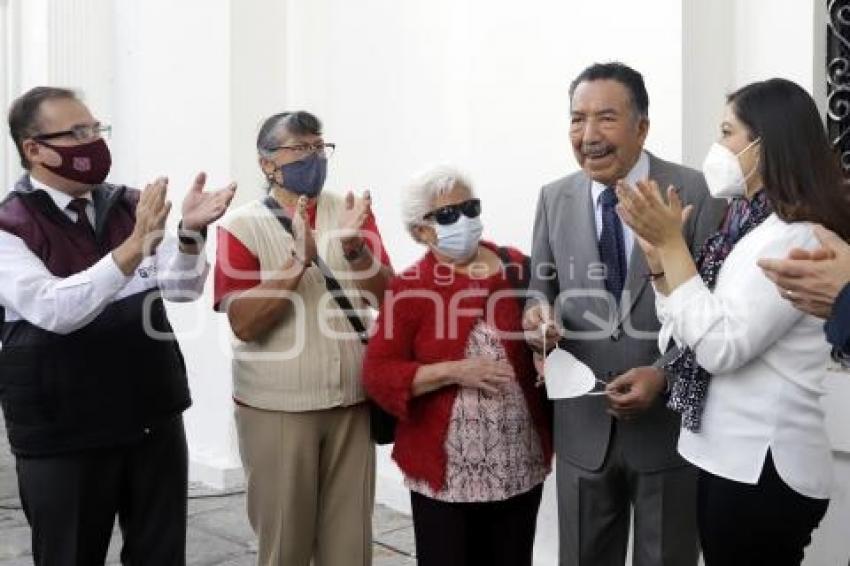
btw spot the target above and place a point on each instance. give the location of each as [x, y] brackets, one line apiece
[218, 534]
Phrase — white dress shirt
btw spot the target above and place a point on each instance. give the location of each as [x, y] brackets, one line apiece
[640, 172]
[30, 292]
[62, 200]
[768, 362]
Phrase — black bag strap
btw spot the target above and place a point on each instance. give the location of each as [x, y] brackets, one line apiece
[517, 281]
[331, 282]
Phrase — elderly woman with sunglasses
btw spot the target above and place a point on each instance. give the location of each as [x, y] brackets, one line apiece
[450, 362]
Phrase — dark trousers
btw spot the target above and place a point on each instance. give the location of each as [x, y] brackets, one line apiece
[752, 525]
[596, 508]
[71, 501]
[471, 534]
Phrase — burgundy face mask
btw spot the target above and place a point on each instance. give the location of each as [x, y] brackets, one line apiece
[88, 163]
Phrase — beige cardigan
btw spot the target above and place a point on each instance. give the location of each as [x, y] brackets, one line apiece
[312, 358]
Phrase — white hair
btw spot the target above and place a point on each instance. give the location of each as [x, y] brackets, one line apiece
[419, 194]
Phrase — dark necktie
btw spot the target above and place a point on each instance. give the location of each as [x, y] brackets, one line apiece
[79, 205]
[612, 247]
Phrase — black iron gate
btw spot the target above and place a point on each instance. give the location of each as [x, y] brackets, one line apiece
[838, 79]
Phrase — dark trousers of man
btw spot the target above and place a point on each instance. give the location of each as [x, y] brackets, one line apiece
[497, 533]
[595, 508]
[71, 501]
[753, 525]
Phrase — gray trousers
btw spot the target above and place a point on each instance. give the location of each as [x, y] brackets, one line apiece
[595, 511]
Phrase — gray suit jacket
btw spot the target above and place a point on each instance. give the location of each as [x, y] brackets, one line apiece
[610, 339]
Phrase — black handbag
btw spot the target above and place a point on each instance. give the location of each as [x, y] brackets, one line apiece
[381, 423]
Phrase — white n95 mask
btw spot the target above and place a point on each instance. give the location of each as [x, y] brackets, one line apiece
[723, 173]
[565, 376]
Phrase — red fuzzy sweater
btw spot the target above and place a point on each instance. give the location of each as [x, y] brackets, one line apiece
[425, 297]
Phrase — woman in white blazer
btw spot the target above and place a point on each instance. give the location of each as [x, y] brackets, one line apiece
[749, 375]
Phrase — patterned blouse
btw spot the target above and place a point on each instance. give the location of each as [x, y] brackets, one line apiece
[493, 451]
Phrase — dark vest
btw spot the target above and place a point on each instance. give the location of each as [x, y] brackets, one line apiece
[106, 383]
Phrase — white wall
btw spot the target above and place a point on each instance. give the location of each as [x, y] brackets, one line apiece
[709, 44]
[8, 82]
[53, 42]
[191, 91]
[781, 38]
[23, 24]
[174, 117]
[484, 85]
[729, 44]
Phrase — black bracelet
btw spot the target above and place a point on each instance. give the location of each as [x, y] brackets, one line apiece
[190, 237]
[655, 276]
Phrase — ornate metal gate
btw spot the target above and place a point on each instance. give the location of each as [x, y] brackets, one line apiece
[838, 79]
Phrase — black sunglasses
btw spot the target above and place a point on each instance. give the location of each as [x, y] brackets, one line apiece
[449, 214]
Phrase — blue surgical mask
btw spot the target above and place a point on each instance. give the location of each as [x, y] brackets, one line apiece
[305, 177]
[459, 241]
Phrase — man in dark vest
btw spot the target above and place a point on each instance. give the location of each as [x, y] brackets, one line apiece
[92, 381]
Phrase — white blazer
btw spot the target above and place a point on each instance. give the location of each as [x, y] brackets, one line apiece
[768, 362]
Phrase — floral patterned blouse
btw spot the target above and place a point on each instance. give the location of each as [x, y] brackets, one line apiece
[493, 451]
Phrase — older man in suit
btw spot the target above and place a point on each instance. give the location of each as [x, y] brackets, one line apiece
[615, 452]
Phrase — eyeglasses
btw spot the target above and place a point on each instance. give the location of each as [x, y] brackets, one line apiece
[305, 149]
[80, 133]
[451, 213]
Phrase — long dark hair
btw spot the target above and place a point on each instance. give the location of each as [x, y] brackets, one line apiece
[800, 171]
